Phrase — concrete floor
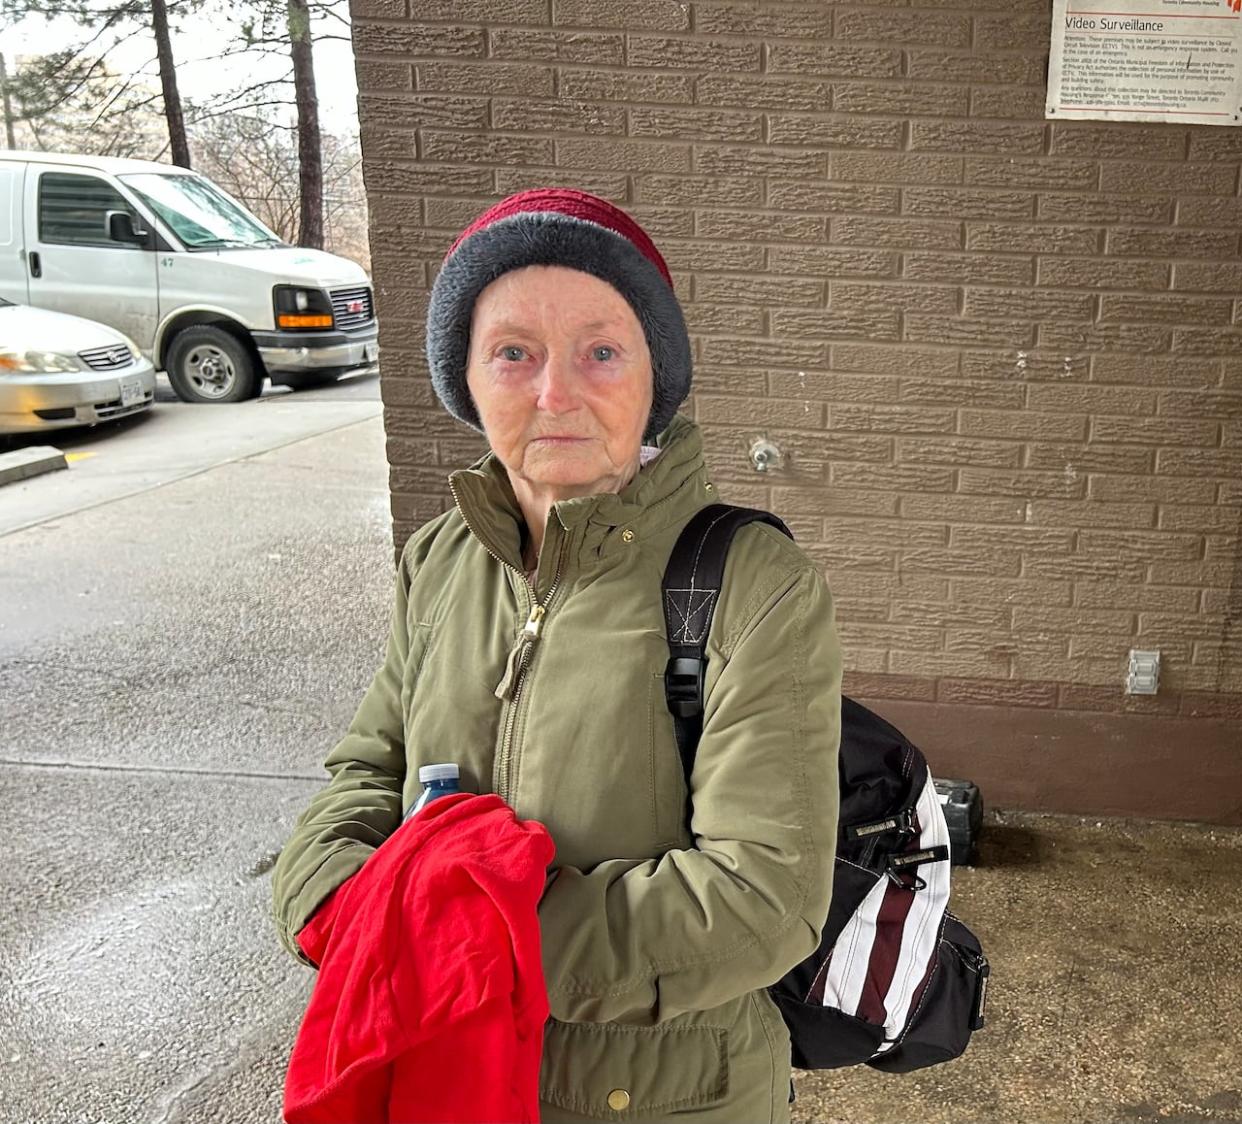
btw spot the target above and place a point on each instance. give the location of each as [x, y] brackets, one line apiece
[175, 664]
[1116, 988]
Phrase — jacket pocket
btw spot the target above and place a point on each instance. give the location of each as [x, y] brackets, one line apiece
[618, 1072]
[669, 801]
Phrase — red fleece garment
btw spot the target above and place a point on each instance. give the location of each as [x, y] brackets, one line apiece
[430, 1002]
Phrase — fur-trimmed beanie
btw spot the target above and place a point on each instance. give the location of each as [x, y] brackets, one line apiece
[557, 226]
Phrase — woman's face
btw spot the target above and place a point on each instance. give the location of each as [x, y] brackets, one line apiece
[560, 374]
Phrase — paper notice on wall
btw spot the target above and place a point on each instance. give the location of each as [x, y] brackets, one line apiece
[1146, 60]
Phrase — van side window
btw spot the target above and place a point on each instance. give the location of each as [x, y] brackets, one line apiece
[73, 209]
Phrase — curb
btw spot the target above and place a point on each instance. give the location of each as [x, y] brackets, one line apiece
[25, 463]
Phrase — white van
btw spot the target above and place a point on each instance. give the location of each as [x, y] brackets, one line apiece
[164, 256]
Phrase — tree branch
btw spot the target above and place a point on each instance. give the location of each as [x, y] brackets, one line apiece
[240, 109]
[329, 10]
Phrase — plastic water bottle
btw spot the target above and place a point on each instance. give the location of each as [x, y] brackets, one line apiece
[437, 781]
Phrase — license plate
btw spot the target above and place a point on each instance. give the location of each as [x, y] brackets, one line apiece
[131, 392]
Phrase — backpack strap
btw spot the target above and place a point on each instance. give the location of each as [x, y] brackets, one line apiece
[691, 588]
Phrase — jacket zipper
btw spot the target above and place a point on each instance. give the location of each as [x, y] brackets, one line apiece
[524, 650]
[510, 686]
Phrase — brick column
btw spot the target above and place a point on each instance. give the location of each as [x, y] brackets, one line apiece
[1001, 355]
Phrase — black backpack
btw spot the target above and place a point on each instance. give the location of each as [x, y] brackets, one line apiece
[897, 982]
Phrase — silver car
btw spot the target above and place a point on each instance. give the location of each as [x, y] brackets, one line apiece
[58, 371]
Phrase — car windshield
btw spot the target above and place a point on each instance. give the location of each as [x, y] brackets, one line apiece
[201, 215]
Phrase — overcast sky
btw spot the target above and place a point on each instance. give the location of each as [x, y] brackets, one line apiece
[196, 40]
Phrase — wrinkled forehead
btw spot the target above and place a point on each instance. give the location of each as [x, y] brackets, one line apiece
[553, 299]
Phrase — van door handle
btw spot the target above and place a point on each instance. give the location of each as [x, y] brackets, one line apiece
[36, 268]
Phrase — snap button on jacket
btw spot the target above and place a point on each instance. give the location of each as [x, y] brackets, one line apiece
[659, 938]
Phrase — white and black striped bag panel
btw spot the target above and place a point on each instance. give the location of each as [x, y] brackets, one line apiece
[892, 937]
[899, 985]
[950, 1007]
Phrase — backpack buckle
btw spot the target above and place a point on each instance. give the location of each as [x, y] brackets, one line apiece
[683, 685]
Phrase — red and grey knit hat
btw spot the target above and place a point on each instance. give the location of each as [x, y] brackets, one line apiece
[557, 226]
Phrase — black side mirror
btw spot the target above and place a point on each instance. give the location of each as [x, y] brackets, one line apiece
[121, 228]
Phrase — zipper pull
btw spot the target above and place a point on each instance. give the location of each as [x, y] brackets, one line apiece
[517, 657]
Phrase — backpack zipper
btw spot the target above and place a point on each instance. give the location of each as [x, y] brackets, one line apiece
[876, 837]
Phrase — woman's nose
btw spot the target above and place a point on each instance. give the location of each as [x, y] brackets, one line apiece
[558, 393]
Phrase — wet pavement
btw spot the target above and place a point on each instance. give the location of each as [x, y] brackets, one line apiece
[138, 974]
[175, 664]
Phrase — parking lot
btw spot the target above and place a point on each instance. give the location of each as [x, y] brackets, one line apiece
[173, 440]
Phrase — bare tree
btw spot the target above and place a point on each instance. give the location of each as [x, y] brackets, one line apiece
[7, 103]
[65, 102]
[294, 26]
[107, 24]
[345, 200]
[168, 83]
[258, 165]
[253, 162]
[304, 184]
[310, 150]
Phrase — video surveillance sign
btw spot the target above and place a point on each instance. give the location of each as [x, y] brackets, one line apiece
[1146, 60]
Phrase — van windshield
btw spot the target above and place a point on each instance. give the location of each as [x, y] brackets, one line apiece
[201, 215]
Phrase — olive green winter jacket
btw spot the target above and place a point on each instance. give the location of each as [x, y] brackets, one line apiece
[657, 943]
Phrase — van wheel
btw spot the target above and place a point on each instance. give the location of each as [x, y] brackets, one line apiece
[207, 364]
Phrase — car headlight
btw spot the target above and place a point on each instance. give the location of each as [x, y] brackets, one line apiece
[297, 307]
[39, 362]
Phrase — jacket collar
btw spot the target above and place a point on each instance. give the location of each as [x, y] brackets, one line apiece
[670, 486]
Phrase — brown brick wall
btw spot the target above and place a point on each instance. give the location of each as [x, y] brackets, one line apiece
[1000, 355]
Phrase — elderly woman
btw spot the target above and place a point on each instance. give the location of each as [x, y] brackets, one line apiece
[528, 645]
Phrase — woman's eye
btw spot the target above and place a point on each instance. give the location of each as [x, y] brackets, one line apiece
[512, 354]
[603, 354]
